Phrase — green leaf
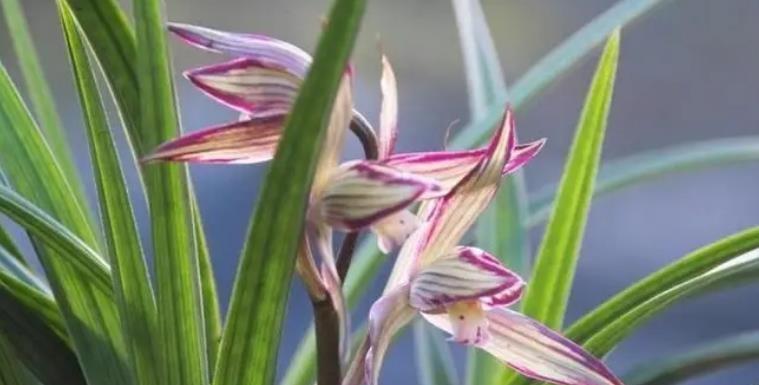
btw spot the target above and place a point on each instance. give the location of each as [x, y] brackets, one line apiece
[211, 310]
[88, 310]
[178, 294]
[713, 266]
[11, 367]
[250, 341]
[699, 360]
[433, 357]
[562, 58]
[650, 165]
[47, 355]
[107, 29]
[40, 94]
[547, 293]
[131, 283]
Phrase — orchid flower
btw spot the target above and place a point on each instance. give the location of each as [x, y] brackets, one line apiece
[464, 290]
[261, 84]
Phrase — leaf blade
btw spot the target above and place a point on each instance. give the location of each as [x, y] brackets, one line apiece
[265, 271]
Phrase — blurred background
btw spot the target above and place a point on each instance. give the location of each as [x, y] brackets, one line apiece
[687, 72]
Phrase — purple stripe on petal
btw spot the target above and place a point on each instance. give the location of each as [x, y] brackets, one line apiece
[262, 48]
[362, 193]
[541, 353]
[249, 141]
[466, 273]
[523, 154]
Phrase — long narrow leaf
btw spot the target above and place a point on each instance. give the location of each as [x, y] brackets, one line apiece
[547, 294]
[706, 358]
[89, 311]
[251, 337]
[40, 94]
[180, 308]
[634, 169]
[131, 283]
[12, 370]
[211, 309]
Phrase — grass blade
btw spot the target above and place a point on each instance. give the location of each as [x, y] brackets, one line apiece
[131, 283]
[40, 94]
[433, 358]
[706, 358]
[713, 266]
[12, 370]
[89, 312]
[251, 337]
[180, 308]
[649, 165]
[546, 296]
[211, 309]
[21, 283]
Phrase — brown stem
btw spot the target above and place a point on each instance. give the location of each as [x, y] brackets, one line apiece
[365, 134]
[327, 330]
[345, 255]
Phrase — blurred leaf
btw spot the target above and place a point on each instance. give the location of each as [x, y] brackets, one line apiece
[555, 63]
[706, 358]
[40, 94]
[131, 283]
[251, 338]
[642, 167]
[211, 310]
[6, 241]
[546, 295]
[178, 295]
[500, 229]
[433, 357]
[88, 310]
[39, 347]
[11, 367]
[709, 267]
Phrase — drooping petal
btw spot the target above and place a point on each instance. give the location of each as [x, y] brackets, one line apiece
[536, 351]
[361, 193]
[394, 230]
[388, 315]
[262, 48]
[466, 273]
[453, 214]
[388, 128]
[449, 167]
[249, 141]
[342, 112]
[248, 85]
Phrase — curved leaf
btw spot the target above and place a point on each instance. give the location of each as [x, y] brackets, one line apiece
[703, 359]
[131, 283]
[642, 167]
[251, 337]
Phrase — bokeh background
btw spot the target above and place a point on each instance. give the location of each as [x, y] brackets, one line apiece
[688, 72]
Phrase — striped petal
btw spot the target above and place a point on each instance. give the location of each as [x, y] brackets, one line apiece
[388, 128]
[449, 167]
[248, 141]
[361, 193]
[467, 273]
[248, 85]
[262, 48]
[388, 315]
[452, 215]
[536, 351]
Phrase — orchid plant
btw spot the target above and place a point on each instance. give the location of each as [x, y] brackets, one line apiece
[98, 315]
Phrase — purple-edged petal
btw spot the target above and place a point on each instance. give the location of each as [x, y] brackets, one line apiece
[536, 351]
[361, 193]
[262, 48]
[250, 141]
[388, 128]
[523, 154]
[334, 138]
[388, 315]
[452, 215]
[466, 273]
[248, 85]
[449, 167]
[394, 230]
